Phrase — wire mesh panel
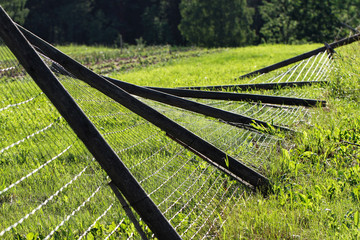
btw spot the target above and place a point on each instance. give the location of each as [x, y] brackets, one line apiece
[314, 69]
[292, 72]
[251, 147]
[188, 191]
[191, 193]
[51, 187]
[54, 189]
[73, 198]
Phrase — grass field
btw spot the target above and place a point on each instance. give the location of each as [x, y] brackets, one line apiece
[315, 173]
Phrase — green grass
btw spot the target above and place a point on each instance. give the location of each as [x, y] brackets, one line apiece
[212, 69]
[105, 60]
[315, 174]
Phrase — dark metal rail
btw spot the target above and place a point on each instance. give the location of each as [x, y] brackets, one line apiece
[242, 97]
[254, 86]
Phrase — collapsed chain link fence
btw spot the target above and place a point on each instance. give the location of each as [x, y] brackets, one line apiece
[52, 188]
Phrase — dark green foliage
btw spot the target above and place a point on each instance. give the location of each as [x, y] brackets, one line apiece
[308, 21]
[211, 23]
[316, 20]
[16, 9]
[258, 21]
[216, 23]
[103, 21]
[279, 24]
[62, 21]
[160, 22]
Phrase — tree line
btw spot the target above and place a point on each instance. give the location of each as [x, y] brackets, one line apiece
[208, 23]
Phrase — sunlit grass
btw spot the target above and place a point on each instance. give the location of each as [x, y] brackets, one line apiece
[213, 69]
[316, 174]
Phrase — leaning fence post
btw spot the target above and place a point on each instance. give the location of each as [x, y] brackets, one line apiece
[84, 129]
[329, 50]
[127, 210]
[350, 27]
